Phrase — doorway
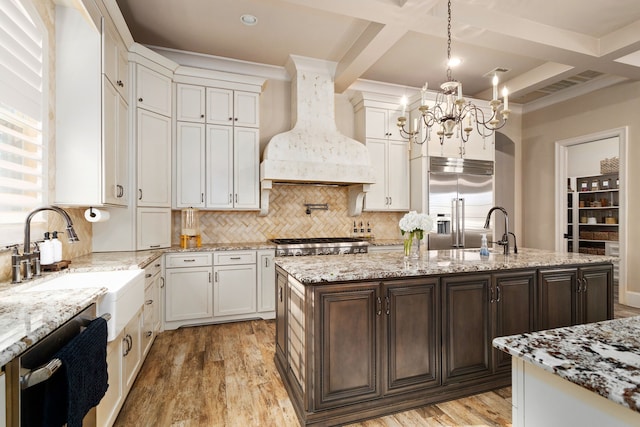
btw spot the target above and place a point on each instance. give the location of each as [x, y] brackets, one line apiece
[591, 198]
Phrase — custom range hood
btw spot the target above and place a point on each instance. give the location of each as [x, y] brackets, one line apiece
[314, 151]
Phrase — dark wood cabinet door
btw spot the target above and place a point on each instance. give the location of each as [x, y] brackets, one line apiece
[558, 301]
[597, 293]
[514, 309]
[466, 335]
[346, 344]
[281, 315]
[412, 316]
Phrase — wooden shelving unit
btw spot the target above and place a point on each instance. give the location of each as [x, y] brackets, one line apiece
[593, 204]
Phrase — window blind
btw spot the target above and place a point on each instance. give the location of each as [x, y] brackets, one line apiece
[22, 72]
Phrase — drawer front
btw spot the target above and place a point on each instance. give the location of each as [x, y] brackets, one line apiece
[233, 258]
[153, 269]
[192, 259]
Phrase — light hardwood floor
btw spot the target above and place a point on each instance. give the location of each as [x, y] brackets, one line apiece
[224, 375]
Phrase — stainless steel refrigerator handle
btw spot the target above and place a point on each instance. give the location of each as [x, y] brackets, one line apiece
[461, 231]
[454, 218]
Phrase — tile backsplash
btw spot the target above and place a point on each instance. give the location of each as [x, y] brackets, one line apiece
[287, 218]
[69, 250]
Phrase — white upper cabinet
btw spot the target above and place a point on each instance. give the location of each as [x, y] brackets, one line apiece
[190, 103]
[376, 119]
[114, 60]
[217, 163]
[232, 107]
[153, 91]
[381, 123]
[154, 159]
[92, 167]
[232, 168]
[190, 165]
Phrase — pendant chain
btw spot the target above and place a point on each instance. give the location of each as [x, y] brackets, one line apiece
[449, 78]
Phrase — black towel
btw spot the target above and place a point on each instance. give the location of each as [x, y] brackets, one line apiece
[81, 382]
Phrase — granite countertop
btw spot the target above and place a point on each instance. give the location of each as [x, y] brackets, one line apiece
[603, 357]
[391, 264]
[27, 316]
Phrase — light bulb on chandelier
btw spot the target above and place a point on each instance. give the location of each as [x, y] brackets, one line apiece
[451, 109]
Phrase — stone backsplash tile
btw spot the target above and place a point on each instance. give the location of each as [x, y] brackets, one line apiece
[287, 218]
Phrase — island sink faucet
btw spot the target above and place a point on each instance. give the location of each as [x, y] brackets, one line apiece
[31, 260]
[505, 237]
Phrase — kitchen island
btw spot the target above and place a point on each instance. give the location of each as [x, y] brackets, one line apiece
[359, 336]
[587, 375]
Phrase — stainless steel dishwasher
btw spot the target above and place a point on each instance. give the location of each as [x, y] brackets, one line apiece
[27, 374]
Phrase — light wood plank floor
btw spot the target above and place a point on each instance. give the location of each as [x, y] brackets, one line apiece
[224, 375]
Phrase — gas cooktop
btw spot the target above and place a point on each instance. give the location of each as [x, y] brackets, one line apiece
[320, 246]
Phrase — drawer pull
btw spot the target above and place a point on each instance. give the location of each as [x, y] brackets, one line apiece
[149, 333]
[189, 260]
[146, 276]
[235, 257]
[149, 302]
[154, 246]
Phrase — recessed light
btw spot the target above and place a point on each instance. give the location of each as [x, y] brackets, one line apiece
[249, 20]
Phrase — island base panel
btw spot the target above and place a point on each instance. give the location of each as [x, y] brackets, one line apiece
[541, 398]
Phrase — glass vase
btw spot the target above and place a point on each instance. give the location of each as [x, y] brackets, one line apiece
[415, 247]
[408, 245]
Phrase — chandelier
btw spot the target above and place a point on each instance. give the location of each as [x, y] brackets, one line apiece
[452, 114]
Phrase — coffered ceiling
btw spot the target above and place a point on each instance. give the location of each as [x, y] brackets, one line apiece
[550, 48]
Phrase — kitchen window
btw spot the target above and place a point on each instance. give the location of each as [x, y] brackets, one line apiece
[23, 113]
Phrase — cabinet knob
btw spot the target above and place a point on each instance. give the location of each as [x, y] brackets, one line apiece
[236, 119]
[230, 119]
[139, 99]
[149, 333]
[120, 83]
[149, 302]
[202, 116]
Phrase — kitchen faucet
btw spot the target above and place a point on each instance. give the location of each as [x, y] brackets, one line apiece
[505, 237]
[27, 256]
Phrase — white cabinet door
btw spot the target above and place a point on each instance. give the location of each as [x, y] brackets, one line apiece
[246, 106]
[220, 187]
[190, 103]
[190, 164]
[376, 198]
[392, 124]
[110, 135]
[154, 159]
[189, 294]
[154, 228]
[266, 281]
[398, 175]
[376, 123]
[234, 290]
[132, 351]
[109, 406]
[122, 153]
[219, 106]
[115, 64]
[153, 91]
[246, 168]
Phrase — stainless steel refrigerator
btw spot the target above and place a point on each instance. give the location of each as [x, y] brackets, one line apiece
[460, 196]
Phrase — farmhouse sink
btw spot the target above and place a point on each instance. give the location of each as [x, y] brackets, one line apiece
[124, 297]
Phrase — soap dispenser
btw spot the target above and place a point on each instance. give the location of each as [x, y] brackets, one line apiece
[57, 247]
[46, 251]
[484, 250]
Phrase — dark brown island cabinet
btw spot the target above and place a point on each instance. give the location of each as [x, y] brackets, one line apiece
[348, 351]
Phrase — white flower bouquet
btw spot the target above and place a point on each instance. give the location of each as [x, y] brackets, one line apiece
[417, 223]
